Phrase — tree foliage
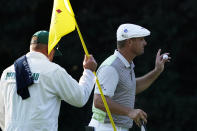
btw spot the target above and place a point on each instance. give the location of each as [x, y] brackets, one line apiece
[170, 102]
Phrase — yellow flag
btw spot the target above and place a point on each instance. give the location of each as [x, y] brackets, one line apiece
[62, 22]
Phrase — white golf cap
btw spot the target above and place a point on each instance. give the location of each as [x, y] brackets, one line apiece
[127, 31]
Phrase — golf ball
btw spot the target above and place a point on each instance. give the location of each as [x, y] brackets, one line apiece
[165, 56]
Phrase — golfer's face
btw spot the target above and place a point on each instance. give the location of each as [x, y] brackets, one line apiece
[139, 44]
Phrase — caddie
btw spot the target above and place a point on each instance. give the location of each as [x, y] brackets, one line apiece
[32, 88]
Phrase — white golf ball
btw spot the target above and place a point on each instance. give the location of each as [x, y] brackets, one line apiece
[165, 56]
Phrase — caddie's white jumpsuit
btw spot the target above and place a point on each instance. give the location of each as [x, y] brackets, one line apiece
[41, 110]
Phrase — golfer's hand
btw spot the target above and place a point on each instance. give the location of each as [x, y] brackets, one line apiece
[137, 115]
[160, 62]
[89, 63]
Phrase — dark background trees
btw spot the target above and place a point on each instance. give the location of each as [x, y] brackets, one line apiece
[170, 102]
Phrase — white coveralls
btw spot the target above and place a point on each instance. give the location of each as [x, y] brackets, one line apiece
[40, 111]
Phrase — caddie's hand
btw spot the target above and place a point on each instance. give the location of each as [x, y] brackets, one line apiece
[160, 62]
[89, 63]
[137, 115]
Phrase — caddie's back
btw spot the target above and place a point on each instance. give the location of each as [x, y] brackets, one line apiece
[39, 111]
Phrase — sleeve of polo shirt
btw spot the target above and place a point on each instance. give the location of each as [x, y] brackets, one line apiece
[74, 93]
[2, 108]
[108, 79]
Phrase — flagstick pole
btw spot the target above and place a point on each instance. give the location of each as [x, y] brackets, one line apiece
[97, 82]
[81, 38]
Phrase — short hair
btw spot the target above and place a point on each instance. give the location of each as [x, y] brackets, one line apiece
[121, 44]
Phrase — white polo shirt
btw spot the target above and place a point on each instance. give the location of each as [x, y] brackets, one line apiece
[51, 85]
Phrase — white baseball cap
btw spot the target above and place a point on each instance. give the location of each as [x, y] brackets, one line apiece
[127, 31]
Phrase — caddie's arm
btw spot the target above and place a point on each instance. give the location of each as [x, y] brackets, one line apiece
[142, 83]
[71, 91]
